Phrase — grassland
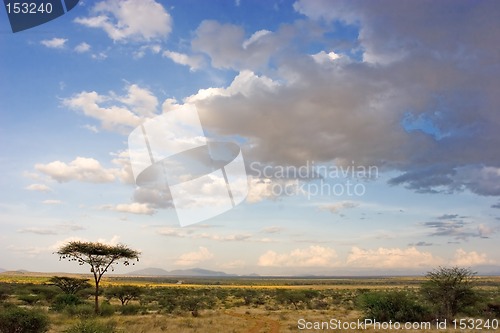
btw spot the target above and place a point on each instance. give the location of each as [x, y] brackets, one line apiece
[233, 304]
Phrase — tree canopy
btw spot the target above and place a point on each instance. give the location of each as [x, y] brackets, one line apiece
[451, 289]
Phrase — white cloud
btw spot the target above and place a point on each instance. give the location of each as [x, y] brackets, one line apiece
[467, 259]
[325, 58]
[255, 38]
[116, 112]
[313, 256]
[225, 238]
[391, 258]
[194, 62]
[53, 230]
[141, 52]
[141, 101]
[39, 188]
[91, 128]
[57, 245]
[99, 56]
[112, 118]
[336, 207]
[193, 258]
[81, 169]
[82, 47]
[52, 202]
[132, 208]
[113, 241]
[38, 231]
[126, 20]
[54, 43]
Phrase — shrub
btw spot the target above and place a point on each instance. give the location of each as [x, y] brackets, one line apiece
[29, 299]
[106, 309]
[400, 306]
[92, 326]
[124, 293]
[61, 301]
[450, 289]
[81, 310]
[14, 319]
[130, 309]
[5, 291]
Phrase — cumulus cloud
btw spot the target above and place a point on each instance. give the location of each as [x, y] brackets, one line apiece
[193, 62]
[81, 169]
[313, 256]
[39, 188]
[467, 259]
[82, 47]
[227, 46]
[54, 43]
[125, 20]
[132, 208]
[367, 110]
[195, 257]
[391, 258]
[115, 112]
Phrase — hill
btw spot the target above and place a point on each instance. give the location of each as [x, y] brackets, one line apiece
[178, 272]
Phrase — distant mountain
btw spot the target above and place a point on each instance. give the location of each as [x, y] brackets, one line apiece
[178, 272]
[2, 270]
[198, 272]
[149, 272]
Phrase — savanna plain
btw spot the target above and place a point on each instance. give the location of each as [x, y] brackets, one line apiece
[65, 303]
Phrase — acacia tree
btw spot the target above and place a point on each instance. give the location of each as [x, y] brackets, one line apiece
[100, 257]
[69, 285]
[451, 289]
[124, 293]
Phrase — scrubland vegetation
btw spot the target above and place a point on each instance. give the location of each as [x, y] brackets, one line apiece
[65, 304]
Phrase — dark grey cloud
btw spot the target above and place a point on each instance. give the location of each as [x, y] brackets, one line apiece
[450, 225]
[421, 243]
[447, 217]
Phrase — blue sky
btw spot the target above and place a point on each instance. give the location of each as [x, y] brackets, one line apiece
[408, 89]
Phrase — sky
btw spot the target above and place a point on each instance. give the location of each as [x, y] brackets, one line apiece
[369, 133]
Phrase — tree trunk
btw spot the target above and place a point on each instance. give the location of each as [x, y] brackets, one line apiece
[96, 298]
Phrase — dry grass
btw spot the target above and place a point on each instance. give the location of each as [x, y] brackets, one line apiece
[239, 320]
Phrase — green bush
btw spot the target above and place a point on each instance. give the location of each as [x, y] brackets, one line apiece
[61, 301]
[106, 309]
[398, 306]
[81, 310]
[30, 299]
[130, 309]
[5, 291]
[92, 326]
[14, 319]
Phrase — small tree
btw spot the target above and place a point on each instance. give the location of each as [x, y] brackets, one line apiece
[69, 285]
[451, 289]
[100, 257]
[124, 293]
